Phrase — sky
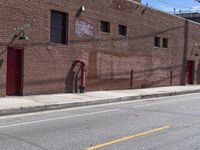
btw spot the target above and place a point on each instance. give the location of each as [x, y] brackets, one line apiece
[169, 5]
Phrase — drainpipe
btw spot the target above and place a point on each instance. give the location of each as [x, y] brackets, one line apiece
[82, 68]
[185, 50]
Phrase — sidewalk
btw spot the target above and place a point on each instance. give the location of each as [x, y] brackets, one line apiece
[27, 104]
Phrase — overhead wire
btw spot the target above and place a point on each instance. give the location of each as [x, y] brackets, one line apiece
[181, 7]
[174, 5]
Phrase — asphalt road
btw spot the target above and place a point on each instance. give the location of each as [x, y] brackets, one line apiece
[170, 123]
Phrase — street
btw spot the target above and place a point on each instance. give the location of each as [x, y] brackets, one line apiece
[168, 123]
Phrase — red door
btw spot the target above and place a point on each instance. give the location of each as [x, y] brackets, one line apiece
[190, 72]
[14, 83]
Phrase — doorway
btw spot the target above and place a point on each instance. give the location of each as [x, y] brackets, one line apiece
[14, 81]
[190, 72]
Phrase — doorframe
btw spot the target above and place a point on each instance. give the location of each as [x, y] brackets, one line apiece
[20, 92]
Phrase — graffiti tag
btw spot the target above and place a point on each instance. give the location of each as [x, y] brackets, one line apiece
[84, 28]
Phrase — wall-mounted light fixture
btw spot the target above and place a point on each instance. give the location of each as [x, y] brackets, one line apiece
[195, 50]
[80, 10]
[21, 36]
[145, 9]
[136, 7]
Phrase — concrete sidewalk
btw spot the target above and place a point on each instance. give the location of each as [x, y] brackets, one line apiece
[27, 104]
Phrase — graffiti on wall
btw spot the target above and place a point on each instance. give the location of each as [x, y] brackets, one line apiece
[84, 28]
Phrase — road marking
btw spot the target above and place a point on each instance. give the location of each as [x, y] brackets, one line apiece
[127, 138]
[55, 119]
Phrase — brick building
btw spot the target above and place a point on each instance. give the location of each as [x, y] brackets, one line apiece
[124, 44]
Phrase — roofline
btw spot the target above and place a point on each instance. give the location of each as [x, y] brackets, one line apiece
[160, 11]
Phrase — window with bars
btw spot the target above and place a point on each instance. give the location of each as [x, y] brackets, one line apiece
[157, 41]
[165, 42]
[58, 27]
[122, 30]
[105, 26]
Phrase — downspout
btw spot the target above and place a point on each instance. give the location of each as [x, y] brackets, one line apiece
[82, 68]
[185, 50]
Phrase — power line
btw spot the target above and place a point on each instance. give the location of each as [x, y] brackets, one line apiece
[175, 5]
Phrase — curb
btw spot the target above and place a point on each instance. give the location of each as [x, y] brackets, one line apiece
[32, 109]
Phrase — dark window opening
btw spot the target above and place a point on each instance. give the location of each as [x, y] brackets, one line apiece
[122, 30]
[157, 41]
[58, 27]
[165, 42]
[105, 26]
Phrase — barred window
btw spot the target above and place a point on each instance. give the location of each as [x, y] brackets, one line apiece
[157, 41]
[165, 42]
[122, 30]
[105, 26]
[58, 27]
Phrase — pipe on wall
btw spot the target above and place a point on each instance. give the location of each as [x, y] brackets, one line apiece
[82, 68]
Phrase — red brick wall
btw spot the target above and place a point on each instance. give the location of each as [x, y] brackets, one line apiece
[194, 49]
[110, 58]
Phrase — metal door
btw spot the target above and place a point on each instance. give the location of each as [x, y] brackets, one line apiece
[14, 83]
[190, 72]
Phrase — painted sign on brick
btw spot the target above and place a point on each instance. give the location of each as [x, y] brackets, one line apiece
[84, 28]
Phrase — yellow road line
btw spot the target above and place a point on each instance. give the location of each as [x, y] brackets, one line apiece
[127, 138]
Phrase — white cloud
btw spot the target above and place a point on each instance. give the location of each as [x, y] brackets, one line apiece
[196, 8]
